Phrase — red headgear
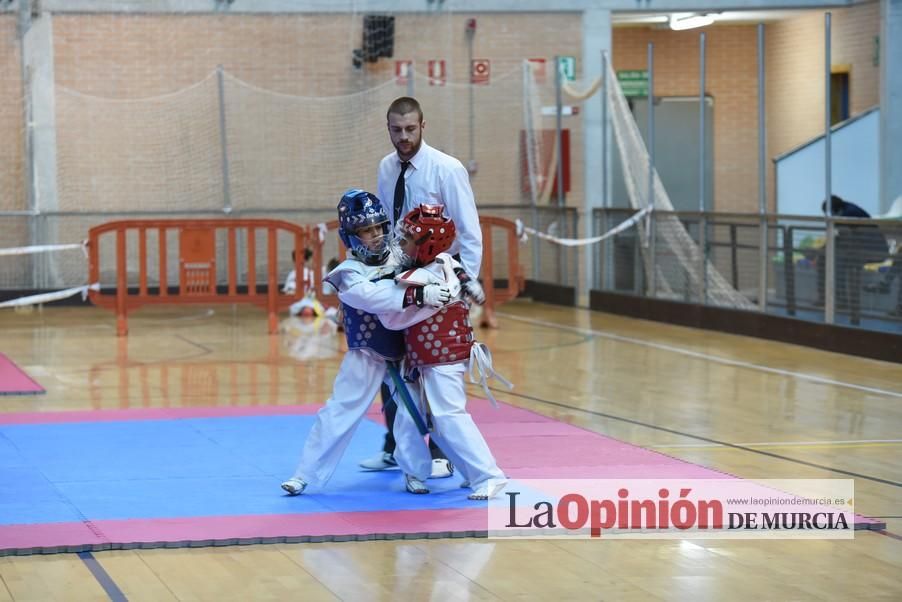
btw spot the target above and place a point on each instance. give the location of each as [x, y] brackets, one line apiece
[432, 232]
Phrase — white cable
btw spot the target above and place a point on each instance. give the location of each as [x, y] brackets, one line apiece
[43, 248]
[522, 231]
[580, 95]
[54, 296]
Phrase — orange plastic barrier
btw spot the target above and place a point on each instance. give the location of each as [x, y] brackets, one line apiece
[197, 264]
[198, 258]
[515, 281]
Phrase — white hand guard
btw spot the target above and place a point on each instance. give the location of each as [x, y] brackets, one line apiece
[436, 295]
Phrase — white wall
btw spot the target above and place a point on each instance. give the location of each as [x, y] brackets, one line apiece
[855, 169]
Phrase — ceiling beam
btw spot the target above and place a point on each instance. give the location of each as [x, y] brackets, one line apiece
[422, 6]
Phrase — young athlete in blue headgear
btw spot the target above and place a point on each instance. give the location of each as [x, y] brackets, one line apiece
[364, 230]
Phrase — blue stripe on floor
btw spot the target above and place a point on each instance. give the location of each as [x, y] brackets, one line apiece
[103, 578]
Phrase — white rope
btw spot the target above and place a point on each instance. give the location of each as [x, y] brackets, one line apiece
[481, 370]
[54, 296]
[523, 230]
[44, 248]
[580, 95]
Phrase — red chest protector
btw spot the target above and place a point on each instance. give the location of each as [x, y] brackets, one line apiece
[444, 338]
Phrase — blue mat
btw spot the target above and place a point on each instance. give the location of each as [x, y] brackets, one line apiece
[145, 469]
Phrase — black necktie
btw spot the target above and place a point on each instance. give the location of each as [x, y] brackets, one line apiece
[399, 191]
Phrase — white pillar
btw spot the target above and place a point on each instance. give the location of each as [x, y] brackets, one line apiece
[596, 30]
[41, 94]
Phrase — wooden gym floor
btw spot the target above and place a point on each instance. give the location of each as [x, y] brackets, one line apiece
[753, 408]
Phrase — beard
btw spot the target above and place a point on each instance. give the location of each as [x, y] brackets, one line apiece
[412, 148]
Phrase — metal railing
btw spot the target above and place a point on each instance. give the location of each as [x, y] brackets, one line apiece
[788, 277]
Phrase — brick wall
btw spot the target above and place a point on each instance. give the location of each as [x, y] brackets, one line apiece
[12, 151]
[140, 55]
[136, 56]
[731, 79]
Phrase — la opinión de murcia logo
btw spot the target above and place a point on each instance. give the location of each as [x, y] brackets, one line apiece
[673, 510]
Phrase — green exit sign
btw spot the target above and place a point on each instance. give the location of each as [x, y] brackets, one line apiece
[633, 82]
[567, 65]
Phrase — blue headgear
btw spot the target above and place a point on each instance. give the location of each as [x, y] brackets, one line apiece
[356, 209]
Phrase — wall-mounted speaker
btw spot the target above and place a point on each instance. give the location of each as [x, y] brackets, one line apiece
[378, 37]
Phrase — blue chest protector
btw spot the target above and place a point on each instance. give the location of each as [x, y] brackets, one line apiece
[364, 331]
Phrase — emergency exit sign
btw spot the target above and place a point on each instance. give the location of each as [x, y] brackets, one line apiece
[567, 66]
[633, 82]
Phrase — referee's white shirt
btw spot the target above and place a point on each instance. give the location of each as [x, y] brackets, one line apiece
[436, 178]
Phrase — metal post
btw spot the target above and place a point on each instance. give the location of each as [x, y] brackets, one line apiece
[23, 25]
[606, 246]
[650, 119]
[536, 251]
[640, 279]
[560, 146]
[701, 122]
[601, 272]
[829, 284]
[471, 33]
[762, 178]
[830, 273]
[702, 258]
[652, 251]
[562, 253]
[702, 220]
[734, 256]
[223, 141]
[529, 141]
[827, 111]
[653, 280]
[789, 273]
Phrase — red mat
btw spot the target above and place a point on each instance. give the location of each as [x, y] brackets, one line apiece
[13, 381]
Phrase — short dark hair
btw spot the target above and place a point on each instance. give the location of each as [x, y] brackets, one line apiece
[836, 203]
[308, 253]
[403, 106]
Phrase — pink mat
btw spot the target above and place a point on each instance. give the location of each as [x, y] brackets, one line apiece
[14, 381]
[200, 531]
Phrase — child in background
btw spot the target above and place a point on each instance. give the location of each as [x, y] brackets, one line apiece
[309, 305]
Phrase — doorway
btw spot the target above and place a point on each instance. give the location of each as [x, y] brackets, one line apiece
[676, 150]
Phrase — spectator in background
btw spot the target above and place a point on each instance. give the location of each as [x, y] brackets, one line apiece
[309, 305]
[291, 281]
[893, 231]
[855, 246]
